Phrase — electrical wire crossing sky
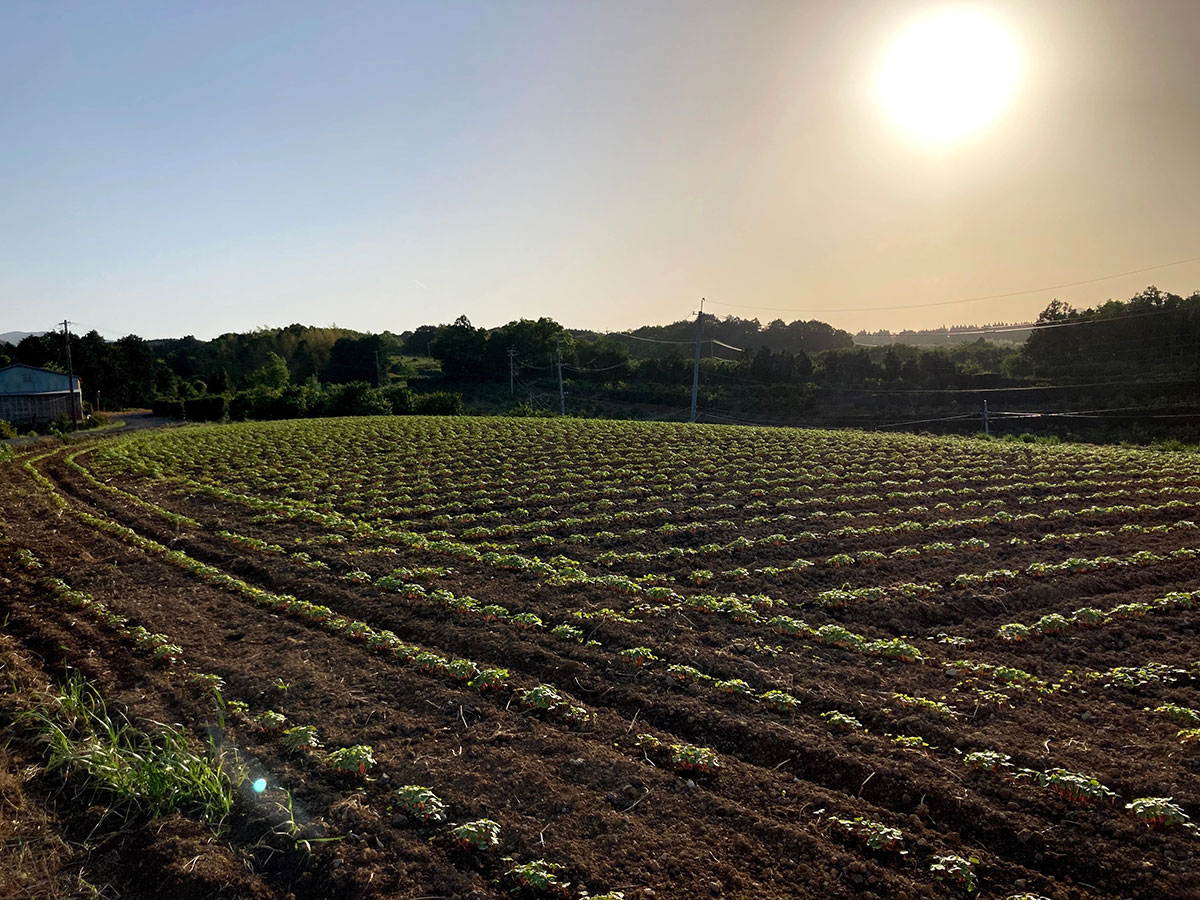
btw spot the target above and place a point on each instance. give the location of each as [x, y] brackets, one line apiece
[176, 168]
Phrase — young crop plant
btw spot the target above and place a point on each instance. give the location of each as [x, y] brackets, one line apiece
[954, 640]
[489, 679]
[837, 636]
[1072, 786]
[687, 673]
[1015, 632]
[269, 720]
[527, 621]
[538, 875]
[988, 761]
[956, 870]
[418, 802]
[895, 648]
[1180, 715]
[733, 686]
[301, 738]
[1089, 617]
[481, 834]
[1158, 812]
[691, 758]
[874, 834]
[639, 656]
[542, 697]
[780, 701]
[913, 742]
[353, 760]
[841, 722]
[568, 633]
[937, 707]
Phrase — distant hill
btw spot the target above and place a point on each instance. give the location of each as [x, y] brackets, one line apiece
[14, 337]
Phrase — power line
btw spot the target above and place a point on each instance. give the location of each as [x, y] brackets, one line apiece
[647, 340]
[1005, 390]
[603, 369]
[973, 415]
[1039, 290]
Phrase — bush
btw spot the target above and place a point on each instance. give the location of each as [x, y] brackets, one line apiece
[439, 403]
[7, 430]
[167, 408]
[401, 399]
[208, 408]
[357, 398]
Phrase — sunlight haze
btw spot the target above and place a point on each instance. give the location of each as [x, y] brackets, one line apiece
[174, 169]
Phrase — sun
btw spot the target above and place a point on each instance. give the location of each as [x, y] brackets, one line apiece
[949, 75]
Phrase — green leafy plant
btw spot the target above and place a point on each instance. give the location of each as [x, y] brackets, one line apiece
[639, 656]
[874, 834]
[353, 760]
[780, 701]
[956, 870]
[481, 834]
[301, 737]
[988, 760]
[1073, 786]
[490, 679]
[1157, 812]
[269, 720]
[841, 722]
[419, 802]
[538, 875]
[691, 758]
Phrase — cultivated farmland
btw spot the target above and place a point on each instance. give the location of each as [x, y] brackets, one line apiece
[473, 657]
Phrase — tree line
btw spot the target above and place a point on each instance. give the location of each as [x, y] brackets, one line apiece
[802, 367]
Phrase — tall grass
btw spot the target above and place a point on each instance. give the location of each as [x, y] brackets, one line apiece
[134, 770]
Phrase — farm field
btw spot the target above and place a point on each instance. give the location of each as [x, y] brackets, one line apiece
[638, 660]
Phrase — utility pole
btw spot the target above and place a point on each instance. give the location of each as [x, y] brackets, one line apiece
[562, 400]
[696, 365]
[70, 377]
[378, 371]
[512, 361]
[987, 428]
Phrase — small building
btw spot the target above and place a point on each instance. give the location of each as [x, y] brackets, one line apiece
[29, 395]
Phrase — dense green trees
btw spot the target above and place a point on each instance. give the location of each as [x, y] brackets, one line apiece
[295, 371]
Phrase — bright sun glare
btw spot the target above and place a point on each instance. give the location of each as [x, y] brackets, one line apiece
[949, 74]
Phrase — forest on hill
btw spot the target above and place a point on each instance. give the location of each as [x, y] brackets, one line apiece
[1126, 369]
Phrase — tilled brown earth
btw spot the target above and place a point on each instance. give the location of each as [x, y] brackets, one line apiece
[587, 794]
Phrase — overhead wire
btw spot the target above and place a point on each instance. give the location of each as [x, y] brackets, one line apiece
[1022, 293]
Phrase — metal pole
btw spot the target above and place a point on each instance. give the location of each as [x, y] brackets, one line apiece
[987, 428]
[512, 356]
[696, 364]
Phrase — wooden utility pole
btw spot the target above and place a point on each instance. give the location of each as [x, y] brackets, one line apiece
[71, 378]
[696, 364]
[562, 400]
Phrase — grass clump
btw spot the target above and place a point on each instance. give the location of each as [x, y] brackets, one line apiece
[135, 771]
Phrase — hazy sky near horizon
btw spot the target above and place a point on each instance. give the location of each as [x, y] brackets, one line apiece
[171, 168]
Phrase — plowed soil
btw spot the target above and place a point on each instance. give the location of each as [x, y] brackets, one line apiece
[588, 795]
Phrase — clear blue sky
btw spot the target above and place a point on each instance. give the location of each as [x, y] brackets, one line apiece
[171, 168]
